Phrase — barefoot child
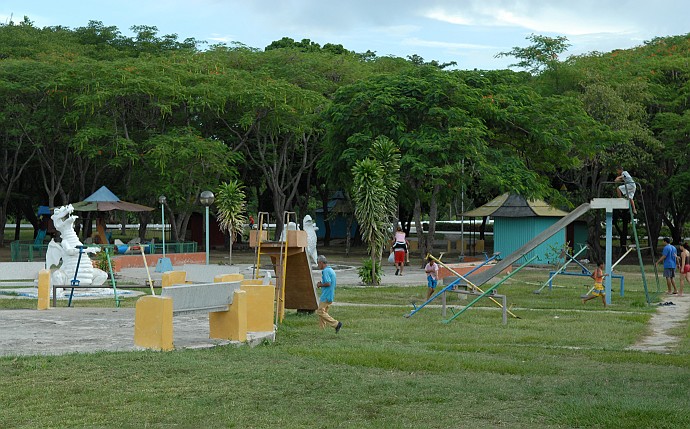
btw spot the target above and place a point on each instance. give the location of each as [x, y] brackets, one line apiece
[598, 277]
[431, 270]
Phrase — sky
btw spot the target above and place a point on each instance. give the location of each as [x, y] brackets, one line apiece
[469, 32]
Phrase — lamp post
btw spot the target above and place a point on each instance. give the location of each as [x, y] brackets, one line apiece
[206, 198]
[162, 200]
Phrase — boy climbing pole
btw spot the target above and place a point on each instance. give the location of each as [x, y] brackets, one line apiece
[628, 187]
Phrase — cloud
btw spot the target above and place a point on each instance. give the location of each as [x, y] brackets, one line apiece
[413, 41]
[545, 19]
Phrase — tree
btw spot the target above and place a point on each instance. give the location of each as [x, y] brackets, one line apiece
[374, 195]
[230, 209]
[183, 164]
[541, 55]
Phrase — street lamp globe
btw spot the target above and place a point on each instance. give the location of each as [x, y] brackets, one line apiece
[206, 198]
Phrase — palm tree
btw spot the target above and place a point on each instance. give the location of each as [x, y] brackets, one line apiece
[374, 194]
[231, 203]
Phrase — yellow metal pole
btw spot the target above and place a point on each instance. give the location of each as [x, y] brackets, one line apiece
[148, 273]
[438, 261]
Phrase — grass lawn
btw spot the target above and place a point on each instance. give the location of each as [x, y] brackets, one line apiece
[561, 365]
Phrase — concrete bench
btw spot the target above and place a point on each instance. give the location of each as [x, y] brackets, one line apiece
[224, 301]
[206, 297]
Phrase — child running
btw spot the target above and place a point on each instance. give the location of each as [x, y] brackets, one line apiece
[431, 270]
[598, 277]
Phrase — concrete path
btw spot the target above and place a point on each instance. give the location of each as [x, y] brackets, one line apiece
[86, 330]
[666, 318]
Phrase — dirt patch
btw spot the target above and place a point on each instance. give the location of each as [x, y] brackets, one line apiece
[667, 317]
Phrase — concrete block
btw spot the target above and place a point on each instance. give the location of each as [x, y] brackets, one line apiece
[170, 278]
[44, 289]
[260, 307]
[230, 324]
[153, 325]
[237, 277]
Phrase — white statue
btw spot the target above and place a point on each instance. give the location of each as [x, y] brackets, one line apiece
[310, 227]
[68, 252]
[291, 226]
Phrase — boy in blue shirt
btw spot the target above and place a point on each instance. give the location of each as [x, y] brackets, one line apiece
[327, 285]
[668, 255]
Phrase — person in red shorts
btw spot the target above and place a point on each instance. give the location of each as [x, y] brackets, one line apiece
[399, 247]
[683, 266]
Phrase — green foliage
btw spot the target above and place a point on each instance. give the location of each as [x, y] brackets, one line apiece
[374, 195]
[541, 55]
[369, 273]
[230, 207]
[101, 259]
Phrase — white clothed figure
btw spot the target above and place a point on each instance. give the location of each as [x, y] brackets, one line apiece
[310, 228]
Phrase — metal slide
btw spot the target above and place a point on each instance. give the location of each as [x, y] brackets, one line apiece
[484, 276]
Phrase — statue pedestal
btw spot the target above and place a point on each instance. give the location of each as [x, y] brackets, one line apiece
[163, 265]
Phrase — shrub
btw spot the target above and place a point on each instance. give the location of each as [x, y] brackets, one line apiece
[365, 272]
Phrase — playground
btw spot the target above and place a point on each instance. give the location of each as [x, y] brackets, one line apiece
[555, 363]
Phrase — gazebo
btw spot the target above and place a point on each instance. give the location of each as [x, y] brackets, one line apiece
[104, 200]
[518, 220]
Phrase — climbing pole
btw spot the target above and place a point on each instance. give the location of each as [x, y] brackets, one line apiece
[647, 295]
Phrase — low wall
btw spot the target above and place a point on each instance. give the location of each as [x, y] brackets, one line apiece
[136, 261]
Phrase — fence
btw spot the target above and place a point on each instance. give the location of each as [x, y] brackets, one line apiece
[28, 251]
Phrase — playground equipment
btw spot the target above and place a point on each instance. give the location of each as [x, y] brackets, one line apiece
[295, 288]
[75, 280]
[491, 290]
[585, 272]
[451, 285]
[622, 284]
[608, 204]
[568, 259]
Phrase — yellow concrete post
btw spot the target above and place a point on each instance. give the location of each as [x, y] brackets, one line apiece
[153, 324]
[228, 278]
[260, 307]
[44, 289]
[170, 278]
[231, 324]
